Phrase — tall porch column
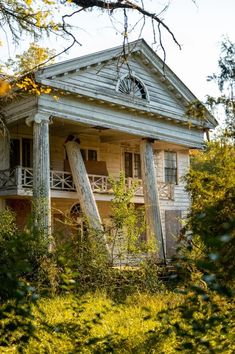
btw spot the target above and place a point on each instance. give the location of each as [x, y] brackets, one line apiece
[41, 173]
[83, 187]
[151, 198]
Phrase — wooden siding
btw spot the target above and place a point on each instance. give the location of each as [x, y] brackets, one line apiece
[104, 79]
[112, 155]
[181, 202]
[57, 153]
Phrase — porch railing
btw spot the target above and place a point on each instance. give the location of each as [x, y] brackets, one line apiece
[21, 178]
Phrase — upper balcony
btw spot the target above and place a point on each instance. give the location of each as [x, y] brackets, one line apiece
[19, 181]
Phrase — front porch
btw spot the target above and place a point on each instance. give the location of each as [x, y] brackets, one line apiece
[19, 181]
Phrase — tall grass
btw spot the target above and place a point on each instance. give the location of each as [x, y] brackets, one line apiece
[94, 323]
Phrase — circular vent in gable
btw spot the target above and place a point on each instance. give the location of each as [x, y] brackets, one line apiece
[133, 86]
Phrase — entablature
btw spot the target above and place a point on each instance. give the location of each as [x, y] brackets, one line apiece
[119, 101]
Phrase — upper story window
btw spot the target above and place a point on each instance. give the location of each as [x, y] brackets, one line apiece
[170, 159]
[133, 86]
[132, 165]
[21, 152]
[89, 155]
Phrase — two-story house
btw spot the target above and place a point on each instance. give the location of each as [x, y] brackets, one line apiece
[104, 114]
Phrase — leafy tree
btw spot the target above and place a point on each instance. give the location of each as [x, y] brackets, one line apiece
[226, 83]
[128, 223]
[23, 68]
[211, 184]
[20, 257]
[30, 59]
[27, 17]
[211, 181]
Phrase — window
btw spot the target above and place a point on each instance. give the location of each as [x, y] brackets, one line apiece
[132, 86]
[89, 155]
[170, 167]
[76, 211]
[76, 215]
[132, 165]
[14, 153]
[21, 152]
[27, 152]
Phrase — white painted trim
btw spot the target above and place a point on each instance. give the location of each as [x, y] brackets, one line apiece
[121, 121]
[140, 47]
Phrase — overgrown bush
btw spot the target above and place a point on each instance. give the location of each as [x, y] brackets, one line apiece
[211, 184]
[83, 262]
[19, 257]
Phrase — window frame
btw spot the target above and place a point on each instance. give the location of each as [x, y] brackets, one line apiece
[21, 154]
[85, 153]
[174, 176]
[133, 168]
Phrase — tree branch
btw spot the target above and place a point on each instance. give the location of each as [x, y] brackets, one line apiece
[124, 4]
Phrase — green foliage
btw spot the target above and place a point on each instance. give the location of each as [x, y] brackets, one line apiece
[30, 59]
[202, 323]
[164, 322]
[226, 83]
[83, 267]
[226, 76]
[211, 183]
[81, 260]
[19, 256]
[24, 258]
[27, 17]
[127, 234]
[94, 323]
[125, 318]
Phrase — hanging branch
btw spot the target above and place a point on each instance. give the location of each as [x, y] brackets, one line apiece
[124, 4]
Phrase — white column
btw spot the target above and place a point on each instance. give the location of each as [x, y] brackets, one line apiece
[41, 173]
[83, 187]
[151, 198]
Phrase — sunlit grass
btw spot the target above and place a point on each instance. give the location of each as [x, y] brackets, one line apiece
[71, 324]
[95, 323]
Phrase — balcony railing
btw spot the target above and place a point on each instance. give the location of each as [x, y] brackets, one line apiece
[21, 178]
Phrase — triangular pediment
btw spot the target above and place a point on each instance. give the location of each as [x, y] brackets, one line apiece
[100, 76]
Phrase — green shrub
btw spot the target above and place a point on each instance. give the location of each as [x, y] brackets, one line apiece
[211, 184]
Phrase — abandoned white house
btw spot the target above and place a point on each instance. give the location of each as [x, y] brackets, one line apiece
[110, 115]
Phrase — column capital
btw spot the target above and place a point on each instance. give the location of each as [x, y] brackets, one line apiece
[38, 117]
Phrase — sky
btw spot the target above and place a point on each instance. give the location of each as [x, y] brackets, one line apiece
[199, 28]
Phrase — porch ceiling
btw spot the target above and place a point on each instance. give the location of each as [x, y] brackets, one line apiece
[63, 128]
